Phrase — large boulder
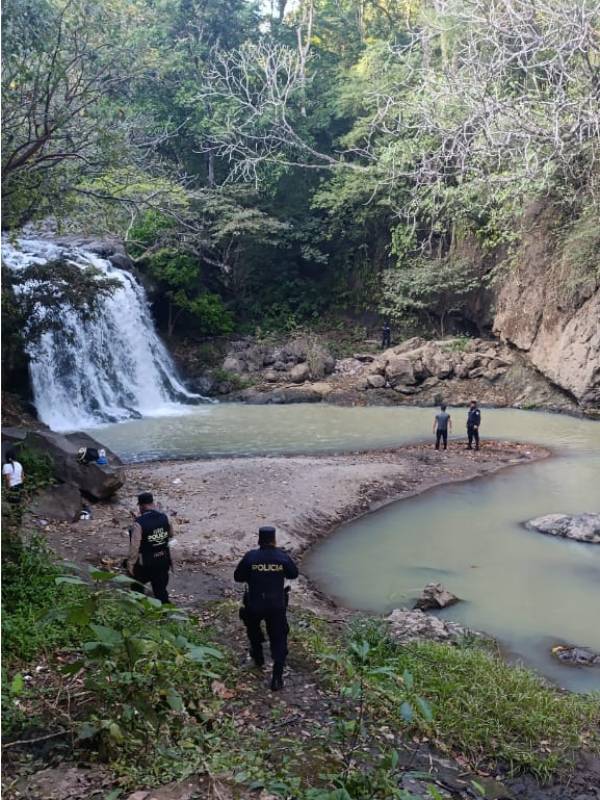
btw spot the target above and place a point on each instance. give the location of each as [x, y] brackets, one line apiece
[399, 370]
[80, 439]
[299, 373]
[376, 381]
[95, 480]
[61, 502]
[415, 625]
[581, 527]
[233, 364]
[435, 596]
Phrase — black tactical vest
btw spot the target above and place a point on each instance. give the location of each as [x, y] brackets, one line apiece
[155, 537]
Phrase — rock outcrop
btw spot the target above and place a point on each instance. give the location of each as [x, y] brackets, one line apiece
[559, 334]
[61, 502]
[415, 625]
[581, 527]
[97, 481]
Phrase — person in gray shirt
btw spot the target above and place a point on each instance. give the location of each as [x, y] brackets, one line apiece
[441, 425]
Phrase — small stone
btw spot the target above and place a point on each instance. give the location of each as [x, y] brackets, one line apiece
[376, 381]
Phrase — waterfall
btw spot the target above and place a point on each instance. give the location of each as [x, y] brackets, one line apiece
[106, 369]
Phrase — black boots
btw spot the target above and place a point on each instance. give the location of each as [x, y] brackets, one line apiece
[277, 679]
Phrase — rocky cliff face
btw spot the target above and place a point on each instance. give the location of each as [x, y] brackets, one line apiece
[537, 312]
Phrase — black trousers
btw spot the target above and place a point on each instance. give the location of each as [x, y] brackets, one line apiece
[473, 434]
[443, 435]
[277, 630]
[157, 575]
[386, 340]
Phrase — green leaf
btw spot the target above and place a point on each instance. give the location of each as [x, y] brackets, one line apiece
[102, 575]
[123, 579]
[72, 579]
[407, 679]
[107, 636]
[71, 669]
[17, 684]
[115, 732]
[175, 700]
[81, 613]
[87, 731]
[425, 708]
[406, 711]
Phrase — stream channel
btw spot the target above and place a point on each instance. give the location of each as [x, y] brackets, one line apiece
[528, 590]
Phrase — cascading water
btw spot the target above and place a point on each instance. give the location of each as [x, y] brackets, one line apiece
[106, 369]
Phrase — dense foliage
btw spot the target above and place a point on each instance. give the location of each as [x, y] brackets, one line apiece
[275, 164]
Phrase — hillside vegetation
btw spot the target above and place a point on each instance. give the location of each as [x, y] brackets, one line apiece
[276, 165]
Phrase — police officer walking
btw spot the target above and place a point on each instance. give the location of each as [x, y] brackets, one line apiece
[265, 570]
[473, 423]
[149, 557]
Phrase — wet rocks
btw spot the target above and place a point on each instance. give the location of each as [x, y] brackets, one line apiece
[435, 596]
[414, 625]
[581, 527]
[578, 656]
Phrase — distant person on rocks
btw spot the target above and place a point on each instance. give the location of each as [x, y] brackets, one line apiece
[386, 336]
[150, 559]
[265, 570]
[14, 476]
[473, 423]
[441, 425]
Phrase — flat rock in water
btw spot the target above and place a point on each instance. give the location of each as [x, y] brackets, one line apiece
[579, 656]
[435, 595]
[581, 527]
[415, 625]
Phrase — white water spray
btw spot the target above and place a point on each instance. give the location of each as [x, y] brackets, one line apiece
[107, 369]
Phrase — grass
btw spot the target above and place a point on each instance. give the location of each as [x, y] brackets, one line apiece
[492, 714]
[154, 715]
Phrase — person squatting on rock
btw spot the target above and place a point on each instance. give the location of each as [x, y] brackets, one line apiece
[14, 476]
[441, 425]
[265, 570]
[150, 559]
[473, 423]
[386, 336]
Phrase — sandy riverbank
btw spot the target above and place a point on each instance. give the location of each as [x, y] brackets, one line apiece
[217, 506]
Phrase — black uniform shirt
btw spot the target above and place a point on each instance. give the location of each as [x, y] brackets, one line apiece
[265, 570]
[473, 418]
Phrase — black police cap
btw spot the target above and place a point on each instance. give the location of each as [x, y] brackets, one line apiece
[266, 533]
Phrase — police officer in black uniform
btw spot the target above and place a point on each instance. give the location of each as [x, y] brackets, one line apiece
[265, 570]
[149, 558]
[473, 423]
[386, 335]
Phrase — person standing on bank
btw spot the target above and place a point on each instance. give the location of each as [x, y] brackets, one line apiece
[265, 570]
[441, 425]
[149, 559]
[14, 476]
[473, 423]
[386, 336]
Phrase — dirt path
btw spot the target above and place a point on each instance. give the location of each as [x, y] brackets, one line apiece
[217, 506]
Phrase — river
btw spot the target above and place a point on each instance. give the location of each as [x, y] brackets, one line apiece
[528, 590]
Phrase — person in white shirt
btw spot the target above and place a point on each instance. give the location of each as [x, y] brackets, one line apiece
[14, 476]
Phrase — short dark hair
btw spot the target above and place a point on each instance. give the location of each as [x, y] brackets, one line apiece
[473, 401]
[443, 406]
[145, 499]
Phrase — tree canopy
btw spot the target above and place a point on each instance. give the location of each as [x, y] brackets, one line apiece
[281, 162]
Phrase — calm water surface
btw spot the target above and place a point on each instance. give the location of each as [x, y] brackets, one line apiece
[529, 590]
